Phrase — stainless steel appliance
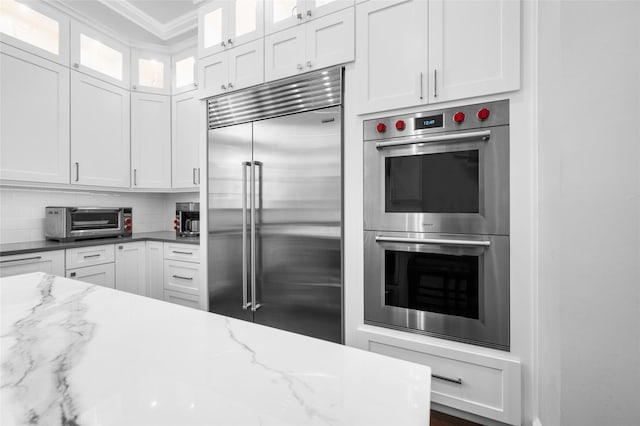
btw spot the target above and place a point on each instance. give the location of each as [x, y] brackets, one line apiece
[187, 221]
[436, 197]
[76, 223]
[275, 205]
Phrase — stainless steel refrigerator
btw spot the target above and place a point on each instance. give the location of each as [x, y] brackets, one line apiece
[275, 206]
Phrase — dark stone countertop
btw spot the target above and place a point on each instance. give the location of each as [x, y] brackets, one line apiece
[45, 245]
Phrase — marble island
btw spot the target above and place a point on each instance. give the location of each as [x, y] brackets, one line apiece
[77, 354]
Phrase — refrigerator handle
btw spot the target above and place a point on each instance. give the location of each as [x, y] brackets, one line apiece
[254, 303]
[245, 298]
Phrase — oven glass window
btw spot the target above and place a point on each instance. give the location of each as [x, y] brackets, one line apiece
[88, 220]
[438, 283]
[445, 182]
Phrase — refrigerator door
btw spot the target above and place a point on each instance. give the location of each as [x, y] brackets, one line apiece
[229, 164]
[297, 162]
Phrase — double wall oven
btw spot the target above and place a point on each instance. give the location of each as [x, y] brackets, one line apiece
[437, 223]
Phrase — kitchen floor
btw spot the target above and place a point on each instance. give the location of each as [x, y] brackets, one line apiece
[441, 419]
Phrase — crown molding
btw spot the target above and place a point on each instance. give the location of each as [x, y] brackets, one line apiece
[171, 29]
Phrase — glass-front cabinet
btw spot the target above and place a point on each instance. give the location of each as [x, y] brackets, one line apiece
[150, 72]
[282, 14]
[99, 56]
[184, 77]
[224, 24]
[36, 28]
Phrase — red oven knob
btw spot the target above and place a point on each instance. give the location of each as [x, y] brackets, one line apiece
[483, 114]
[381, 127]
[175, 228]
[458, 117]
[400, 125]
[127, 220]
[175, 221]
[128, 227]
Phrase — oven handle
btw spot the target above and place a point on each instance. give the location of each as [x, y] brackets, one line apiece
[437, 241]
[482, 135]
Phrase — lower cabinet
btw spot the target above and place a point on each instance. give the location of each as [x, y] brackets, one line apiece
[103, 275]
[50, 262]
[93, 264]
[182, 274]
[131, 268]
[155, 270]
[183, 299]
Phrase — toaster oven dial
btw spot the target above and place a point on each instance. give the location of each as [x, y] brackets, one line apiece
[400, 125]
[483, 114]
[127, 221]
[128, 227]
[381, 127]
[458, 117]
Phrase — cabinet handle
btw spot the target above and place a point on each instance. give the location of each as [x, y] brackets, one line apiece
[183, 278]
[223, 87]
[120, 247]
[194, 175]
[420, 86]
[76, 65]
[182, 252]
[21, 260]
[223, 44]
[309, 13]
[91, 256]
[309, 64]
[198, 175]
[229, 42]
[135, 177]
[435, 83]
[447, 379]
[299, 16]
[77, 171]
[73, 274]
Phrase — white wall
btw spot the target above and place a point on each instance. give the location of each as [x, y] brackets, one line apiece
[22, 209]
[589, 235]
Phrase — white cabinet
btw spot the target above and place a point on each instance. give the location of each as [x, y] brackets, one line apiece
[81, 257]
[50, 262]
[102, 275]
[182, 283]
[320, 43]
[131, 268]
[37, 28]
[283, 14]
[95, 54]
[99, 133]
[183, 299]
[184, 77]
[150, 72]
[34, 118]
[474, 48]
[413, 52]
[185, 149]
[150, 141]
[224, 24]
[155, 270]
[234, 69]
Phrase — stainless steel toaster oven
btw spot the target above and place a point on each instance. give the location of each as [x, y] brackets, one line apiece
[76, 223]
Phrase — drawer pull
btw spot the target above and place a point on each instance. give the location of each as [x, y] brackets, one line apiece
[21, 260]
[447, 379]
[91, 256]
[183, 278]
[182, 252]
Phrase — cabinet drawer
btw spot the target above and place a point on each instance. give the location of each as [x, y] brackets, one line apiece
[187, 300]
[489, 387]
[183, 277]
[50, 262]
[103, 275]
[184, 252]
[88, 256]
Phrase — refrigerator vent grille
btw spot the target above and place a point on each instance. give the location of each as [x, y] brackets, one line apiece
[307, 92]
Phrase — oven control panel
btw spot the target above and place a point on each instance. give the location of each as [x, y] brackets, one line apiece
[465, 117]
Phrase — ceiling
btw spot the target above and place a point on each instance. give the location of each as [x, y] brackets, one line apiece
[159, 22]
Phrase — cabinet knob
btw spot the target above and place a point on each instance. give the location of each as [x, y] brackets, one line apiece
[223, 44]
[300, 67]
[76, 65]
[299, 16]
[134, 87]
[223, 87]
[308, 13]
[229, 41]
[195, 84]
[120, 247]
[230, 85]
[309, 64]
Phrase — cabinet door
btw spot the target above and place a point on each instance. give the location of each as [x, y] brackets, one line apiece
[80, 257]
[186, 111]
[34, 118]
[150, 141]
[282, 14]
[155, 270]
[184, 78]
[284, 54]
[246, 22]
[391, 54]
[50, 262]
[330, 40]
[213, 27]
[102, 275]
[214, 74]
[150, 72]
[131, 268]
[246, 65]
[99, 132]
[183, 299]
[474, 48]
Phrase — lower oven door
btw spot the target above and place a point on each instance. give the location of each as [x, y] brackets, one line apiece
[450, 286]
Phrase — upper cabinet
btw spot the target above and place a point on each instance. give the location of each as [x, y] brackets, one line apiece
[36, 28]
[224, 24]
[466, 49]
[34, 118]
[99, 56]
[283, 14]
[150, 72]
[185, 148]
[184, 77]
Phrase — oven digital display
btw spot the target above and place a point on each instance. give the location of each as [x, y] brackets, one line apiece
[428, 122]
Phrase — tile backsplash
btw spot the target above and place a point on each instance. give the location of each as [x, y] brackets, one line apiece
[22, 209]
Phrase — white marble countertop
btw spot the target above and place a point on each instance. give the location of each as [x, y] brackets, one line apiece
[77, 354]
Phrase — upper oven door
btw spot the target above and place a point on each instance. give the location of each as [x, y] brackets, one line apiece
[95, 221]
[454, 182]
